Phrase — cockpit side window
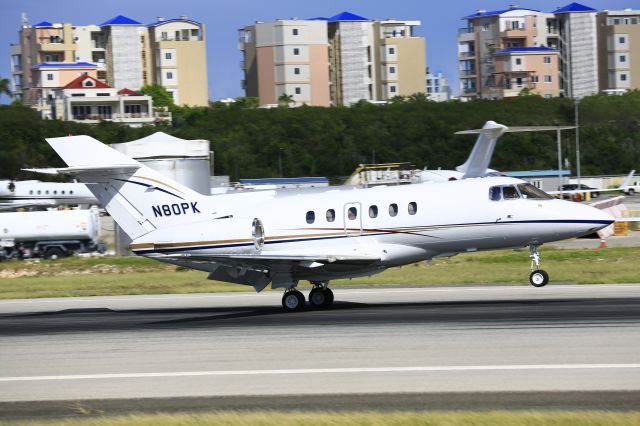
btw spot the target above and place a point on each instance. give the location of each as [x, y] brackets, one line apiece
[530, 192]
[495, 193]
[510, 193]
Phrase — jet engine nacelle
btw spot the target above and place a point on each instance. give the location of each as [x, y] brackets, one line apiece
[236, 235]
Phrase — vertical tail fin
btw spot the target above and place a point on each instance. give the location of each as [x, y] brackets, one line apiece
[480, 157]
[138, 198]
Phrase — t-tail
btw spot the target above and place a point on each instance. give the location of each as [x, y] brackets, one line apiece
[480, 157]
[138, 198]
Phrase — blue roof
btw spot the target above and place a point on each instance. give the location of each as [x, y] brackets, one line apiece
[538, 173]
[44, 24]
[64, 65]
[276, 181]
[173, 20]
[496, 12]
[347, 16]
[527, 49]
[574, 7]
[120, 20]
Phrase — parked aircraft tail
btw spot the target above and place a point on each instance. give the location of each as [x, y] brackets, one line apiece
[480, 157]
[138, 198]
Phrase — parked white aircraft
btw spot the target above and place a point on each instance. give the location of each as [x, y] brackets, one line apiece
[282, 238]
[34, 193]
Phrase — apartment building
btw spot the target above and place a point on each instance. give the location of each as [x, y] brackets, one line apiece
[349, 58]
[499, 48]
[124, 53]
[438, 89]
[286, 57]
[618, 50]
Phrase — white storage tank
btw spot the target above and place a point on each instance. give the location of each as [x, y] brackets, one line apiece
[185, 161]
[50, 225]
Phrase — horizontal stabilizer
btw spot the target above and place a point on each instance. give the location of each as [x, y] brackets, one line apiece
[116, 168]
[516, 129]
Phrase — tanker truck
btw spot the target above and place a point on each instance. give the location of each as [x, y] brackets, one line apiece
[49, 234]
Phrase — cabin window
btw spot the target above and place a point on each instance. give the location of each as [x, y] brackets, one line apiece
[62, 192]
[39, 192]
[352, 213]
[46, 192]
[55, 192]
[413, 208]
[71, 192]
[311, 217]
[31, 192]
[530, 192]
[373, 212]
[331, 215]
[393, 210]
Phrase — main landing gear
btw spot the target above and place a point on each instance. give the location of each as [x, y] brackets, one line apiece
[538, 277]
[320, 296]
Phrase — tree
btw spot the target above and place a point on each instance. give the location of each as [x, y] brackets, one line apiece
[247, 102]
[418, 97]
[286, 100]
[4, 87]
[527, 91]
[160, 96]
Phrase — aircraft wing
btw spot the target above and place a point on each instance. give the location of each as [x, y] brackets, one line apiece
[265, 261]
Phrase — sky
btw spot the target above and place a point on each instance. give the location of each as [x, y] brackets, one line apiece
[223, 18]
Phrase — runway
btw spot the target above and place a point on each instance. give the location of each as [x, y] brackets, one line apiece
[391, 341]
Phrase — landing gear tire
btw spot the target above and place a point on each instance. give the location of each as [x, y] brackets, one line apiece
[321, 297]
[293, 301]
[539, 278]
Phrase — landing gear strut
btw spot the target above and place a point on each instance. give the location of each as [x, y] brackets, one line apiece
[538, 277]
[321, 295]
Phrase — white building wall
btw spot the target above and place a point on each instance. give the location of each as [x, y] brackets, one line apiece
[355, 39]
[582, 45]
[126, 55]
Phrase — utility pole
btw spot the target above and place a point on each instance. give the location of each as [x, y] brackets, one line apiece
[577, 103]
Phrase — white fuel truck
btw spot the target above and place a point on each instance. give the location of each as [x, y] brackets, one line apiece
[49, 234]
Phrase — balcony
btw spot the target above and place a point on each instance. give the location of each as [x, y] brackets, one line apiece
[243, 65]
[466, 30]
[15, 69]
[467, 73]
[466, 34]
[469, 90]
[467, 55]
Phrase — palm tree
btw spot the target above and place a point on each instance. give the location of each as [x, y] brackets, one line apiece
[286, 100]
[4, 87]
[418, 97]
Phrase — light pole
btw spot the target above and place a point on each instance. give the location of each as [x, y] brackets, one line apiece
[280, 161]
[577, 103]
[560, 161]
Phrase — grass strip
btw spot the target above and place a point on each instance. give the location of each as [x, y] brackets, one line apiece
[491, 418]
[134, 275]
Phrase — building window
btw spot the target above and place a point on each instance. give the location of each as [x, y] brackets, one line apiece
[49, 77]
[623, 58]
[547, 79]
[298, 91]
[104, 94]
[295, 31]
[535, 79]
[373, 212]
[311, 217]
[392, 51]
[392, 89]
[133, 109]
[169, 75]
[392, 70]
[331, 215]
[547, 59]
[296, 51]
[623, 77]
[485, 27]
[393, 210]
[167, 55]
[164, 35]
[296, 71]
[622, 40]
[518, 61]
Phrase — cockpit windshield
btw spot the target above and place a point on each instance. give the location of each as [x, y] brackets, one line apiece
[514, 192]
[531, 192]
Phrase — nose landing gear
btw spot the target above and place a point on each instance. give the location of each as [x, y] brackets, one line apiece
[538, 277]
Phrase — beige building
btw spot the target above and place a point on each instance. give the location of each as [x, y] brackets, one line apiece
[286, 57]
[487, 63]
[619, 50]
[332, 61]
[124, 54]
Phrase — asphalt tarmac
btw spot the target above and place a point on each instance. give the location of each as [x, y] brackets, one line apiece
[448, 347]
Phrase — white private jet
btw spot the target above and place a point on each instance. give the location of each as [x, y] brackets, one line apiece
[267, 237]
[34, 193]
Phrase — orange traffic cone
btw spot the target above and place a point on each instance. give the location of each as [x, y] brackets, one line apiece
[603, 243]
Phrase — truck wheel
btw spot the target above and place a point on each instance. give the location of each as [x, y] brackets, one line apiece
[53, 253]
